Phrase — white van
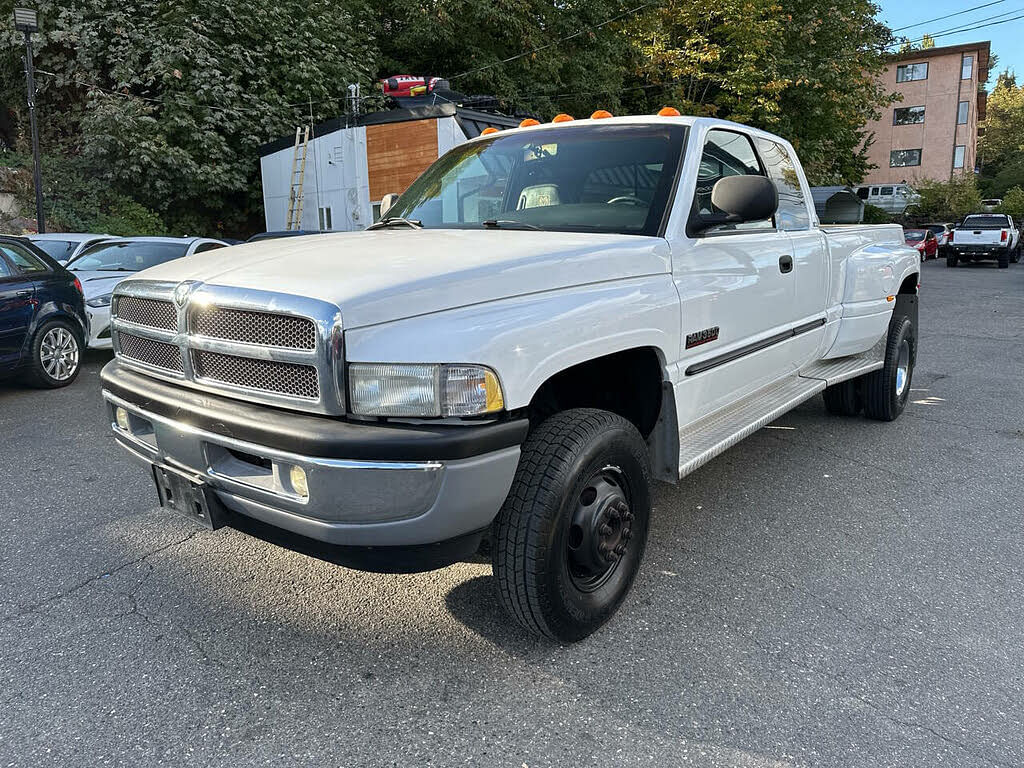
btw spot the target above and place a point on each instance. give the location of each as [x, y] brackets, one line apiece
[893, 198]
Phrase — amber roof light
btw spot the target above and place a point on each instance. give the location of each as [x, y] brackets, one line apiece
[669, 112]
[488, 131]
[601, 114]
[528, 122]
[562, 118]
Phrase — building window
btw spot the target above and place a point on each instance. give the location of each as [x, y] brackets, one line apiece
[958, 156]
[901, 158]
[962, 111]
[908, 115]
[907, 72]
[325, 219]
[967, 68]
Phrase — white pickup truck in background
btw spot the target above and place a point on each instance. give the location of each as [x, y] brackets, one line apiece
[548, 319]
[984, 236]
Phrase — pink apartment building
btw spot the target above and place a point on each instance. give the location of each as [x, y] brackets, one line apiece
[932, 132]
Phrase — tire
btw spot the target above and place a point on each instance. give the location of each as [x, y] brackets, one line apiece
[950, 259]
[1015, 256]
[844, 398]
[55, 355]
[887, 391]
[1004, 259]
[583, 481]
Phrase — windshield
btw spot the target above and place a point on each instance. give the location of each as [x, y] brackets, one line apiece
[913, 235]
[614, 178]
[126, 257]
[985, 222]
[60, 250]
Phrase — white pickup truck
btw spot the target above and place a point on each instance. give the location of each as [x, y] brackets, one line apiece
[981, 236]
[547, 320]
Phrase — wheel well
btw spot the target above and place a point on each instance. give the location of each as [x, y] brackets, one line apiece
[628, 383]
[910, 284]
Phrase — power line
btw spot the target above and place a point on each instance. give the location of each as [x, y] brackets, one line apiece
[554, 42]
[960, 30]
[948, 16]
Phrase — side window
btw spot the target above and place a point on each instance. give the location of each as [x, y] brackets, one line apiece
[862, 193]
[5, 271]
[24, 261]
[207, 247]
[792, 213]
[725, 154]
[886, 191]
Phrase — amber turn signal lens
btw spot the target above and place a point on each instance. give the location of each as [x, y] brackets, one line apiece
[562, 118]
[668, 112]
[529, 122]
[601, 114]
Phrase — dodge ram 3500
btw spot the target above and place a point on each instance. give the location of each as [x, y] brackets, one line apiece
[545, 321]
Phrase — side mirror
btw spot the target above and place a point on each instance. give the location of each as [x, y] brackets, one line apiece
[387, 203]
[740, 198]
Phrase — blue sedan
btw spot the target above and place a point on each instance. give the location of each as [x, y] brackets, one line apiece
[43, 325]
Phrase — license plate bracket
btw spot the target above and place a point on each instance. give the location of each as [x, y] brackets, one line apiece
[188, 496]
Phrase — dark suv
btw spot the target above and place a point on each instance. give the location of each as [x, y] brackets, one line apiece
[42, 316]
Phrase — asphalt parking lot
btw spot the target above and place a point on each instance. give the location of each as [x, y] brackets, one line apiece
[831, 592]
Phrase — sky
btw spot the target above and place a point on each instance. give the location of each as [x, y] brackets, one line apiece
[1007, 39]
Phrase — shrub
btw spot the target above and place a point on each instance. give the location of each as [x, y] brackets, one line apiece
[875, 215]
[1013, 204]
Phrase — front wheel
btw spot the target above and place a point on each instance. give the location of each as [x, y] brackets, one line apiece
[570, 537]
[887, 391]
[56, 355]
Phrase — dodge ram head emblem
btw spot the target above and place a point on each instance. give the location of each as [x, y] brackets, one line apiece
[183, 291]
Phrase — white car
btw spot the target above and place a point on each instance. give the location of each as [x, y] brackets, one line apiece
[546, 321]
[103, 265]
[62, 247]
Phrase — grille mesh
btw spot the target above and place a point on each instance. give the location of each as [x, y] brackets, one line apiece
[149, 312]
[254, 327]
[267, 375]
[156, 353]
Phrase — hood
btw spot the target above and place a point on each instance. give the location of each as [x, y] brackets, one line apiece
[389, 274]
[97, 283]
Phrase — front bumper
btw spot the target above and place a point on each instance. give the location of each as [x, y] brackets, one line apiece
[370, 485]
[99, 327]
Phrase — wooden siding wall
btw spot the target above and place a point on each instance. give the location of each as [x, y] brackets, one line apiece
[396, 153]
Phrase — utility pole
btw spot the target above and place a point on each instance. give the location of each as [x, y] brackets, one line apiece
[26, 21]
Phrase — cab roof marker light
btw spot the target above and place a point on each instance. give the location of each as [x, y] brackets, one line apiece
[601, 114]
[529, 123]
[669, 112]
[488, 131]
[562, 118]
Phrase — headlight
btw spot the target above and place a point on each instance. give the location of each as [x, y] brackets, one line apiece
[423, 390]
[100, 301]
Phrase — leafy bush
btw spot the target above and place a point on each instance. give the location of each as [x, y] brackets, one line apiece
[948, 200]
[1013, 204]
[875, 215]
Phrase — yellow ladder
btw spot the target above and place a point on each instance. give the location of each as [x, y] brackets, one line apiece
[295, 197]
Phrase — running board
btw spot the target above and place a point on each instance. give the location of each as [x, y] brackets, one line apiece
[842, 368]
[716, 433]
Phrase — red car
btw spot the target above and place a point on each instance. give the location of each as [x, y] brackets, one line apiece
[924, 240]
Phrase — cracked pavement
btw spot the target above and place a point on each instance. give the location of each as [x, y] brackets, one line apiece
[831, 592]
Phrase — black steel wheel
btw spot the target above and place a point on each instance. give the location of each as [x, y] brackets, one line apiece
[570, 537]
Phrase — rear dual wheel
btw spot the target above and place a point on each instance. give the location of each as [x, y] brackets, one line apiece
[570, 537]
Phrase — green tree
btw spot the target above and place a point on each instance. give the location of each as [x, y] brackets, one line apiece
[948, 200]
[479, 45]
[1001, 147]
[169, 102]
[805, 70]
[1013, 204]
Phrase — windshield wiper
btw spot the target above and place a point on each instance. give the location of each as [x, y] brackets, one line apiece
[391, 221]
[507, 224]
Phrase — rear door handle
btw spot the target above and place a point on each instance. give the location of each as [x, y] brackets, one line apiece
[785, 264]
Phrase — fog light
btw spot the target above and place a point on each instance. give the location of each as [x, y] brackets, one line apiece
[297, 476]
[121, 416]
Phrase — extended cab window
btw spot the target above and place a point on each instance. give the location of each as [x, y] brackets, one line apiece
[792, 213]
[614, 178]
[725, 154]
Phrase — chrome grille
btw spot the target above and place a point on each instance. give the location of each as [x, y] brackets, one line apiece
[267, 375]
[149, 312]
[151, 352]
[249, 327]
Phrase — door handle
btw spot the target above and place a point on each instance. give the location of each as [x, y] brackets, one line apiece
[785, 264]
